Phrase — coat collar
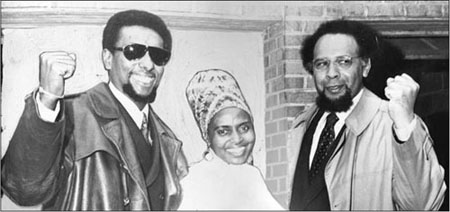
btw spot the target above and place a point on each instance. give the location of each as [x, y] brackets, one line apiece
[103, 104]
[364, 112]
[102, 101]
[306, 116]
[357, 120]
[105, 107]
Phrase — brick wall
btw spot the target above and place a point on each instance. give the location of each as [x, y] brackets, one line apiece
[290, 89]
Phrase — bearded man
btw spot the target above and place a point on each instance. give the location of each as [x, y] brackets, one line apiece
[353, 150]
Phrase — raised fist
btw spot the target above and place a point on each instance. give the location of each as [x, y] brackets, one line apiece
[402, 92]
[54, 68]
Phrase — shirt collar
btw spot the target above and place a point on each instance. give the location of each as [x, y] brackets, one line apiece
[129, 105]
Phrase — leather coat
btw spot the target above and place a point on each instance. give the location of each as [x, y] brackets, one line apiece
[86, 160]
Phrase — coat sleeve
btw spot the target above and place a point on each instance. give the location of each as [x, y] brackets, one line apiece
[418, 179]
[31, 165]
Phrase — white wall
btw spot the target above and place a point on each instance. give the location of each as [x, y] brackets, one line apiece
[239, 53]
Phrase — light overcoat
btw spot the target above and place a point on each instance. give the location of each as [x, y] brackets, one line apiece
[372, 170]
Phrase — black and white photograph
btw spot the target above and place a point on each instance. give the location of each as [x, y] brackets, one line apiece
[224, 105]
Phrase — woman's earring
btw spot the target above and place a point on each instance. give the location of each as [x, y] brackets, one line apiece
[206, 154]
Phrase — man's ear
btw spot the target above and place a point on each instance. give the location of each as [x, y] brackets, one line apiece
[107, 59]
[366, 67]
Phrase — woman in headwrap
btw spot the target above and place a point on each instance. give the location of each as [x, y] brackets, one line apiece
[223, 180]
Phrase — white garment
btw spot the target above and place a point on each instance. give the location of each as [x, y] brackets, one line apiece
[216, 185]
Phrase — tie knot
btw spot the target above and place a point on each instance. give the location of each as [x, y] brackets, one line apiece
[332, 119]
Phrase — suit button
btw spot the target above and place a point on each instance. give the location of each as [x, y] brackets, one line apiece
[161, 196]
[126, 201]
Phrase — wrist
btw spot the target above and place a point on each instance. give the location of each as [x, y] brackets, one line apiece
[48, 99]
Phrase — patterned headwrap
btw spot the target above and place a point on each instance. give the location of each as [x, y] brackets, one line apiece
[211, 91]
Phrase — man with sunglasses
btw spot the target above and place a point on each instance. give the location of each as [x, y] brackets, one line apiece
[105, 148]
[352, 150]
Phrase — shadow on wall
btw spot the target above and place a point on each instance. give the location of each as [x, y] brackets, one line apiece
[438, 126]
[388, 61]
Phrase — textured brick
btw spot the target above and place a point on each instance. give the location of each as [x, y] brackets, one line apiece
[280, 68]
[310, 82]
[291, 54]
[270, 72]
[271, 128]
[293, 111]
[294, 67]
[269, 172]
[272, 156]
[280, 41]
[263, 10]
[270, 45]
[282, 82]
[277, 84]
[293, 40]
[281, 197]
[282, 183]
[283, 125]
[272, 185]
[391, 10]
[294, 26]
[297, 97]
[266, 34]
[268, 141]
[278, 140]
[313, 10]
[354, 10]
[291, 11]
[271, 101]
[275, 29]
[279, 170]
[267, 116]
[279, 113]
[275, 56]
[291, 82]
[279, 54]
[311, 26]
[334, 10]
[266, 61]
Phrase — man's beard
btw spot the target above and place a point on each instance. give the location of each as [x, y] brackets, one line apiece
[340, 104]
[128, 89]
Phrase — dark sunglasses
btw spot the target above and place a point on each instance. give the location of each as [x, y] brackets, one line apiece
[136, 51]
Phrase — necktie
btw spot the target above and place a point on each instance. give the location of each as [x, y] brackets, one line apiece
[326, 137]
[144, 128]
